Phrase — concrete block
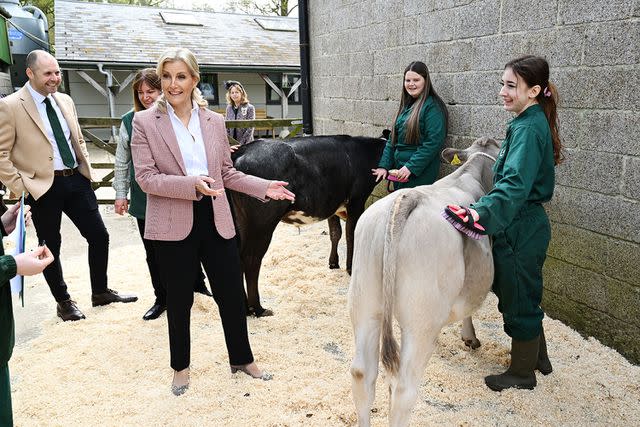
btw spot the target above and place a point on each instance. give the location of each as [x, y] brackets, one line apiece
[579, 247]
[409, 31]
[417, 7]
[594, 290]
[476, 88]
[383, 112]
[444, 84]
[436, 26]
[562, 47]
[591, 170]
[389, 61]
[492, 52]
[527, 15]
[631, 178]
[478, 18]
[361, 64]
[454, 56]
[612, 44]
[619, 334]
[602, 87]
[623, 259]
[576, 12]
[569, 123]
[477, 121]
[612, 131]
[595, 212]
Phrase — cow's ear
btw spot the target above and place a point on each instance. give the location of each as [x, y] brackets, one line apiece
[451, 155]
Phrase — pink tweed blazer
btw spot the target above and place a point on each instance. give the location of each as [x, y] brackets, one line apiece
[161, 173]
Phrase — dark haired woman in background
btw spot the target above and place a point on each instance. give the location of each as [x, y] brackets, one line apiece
[412, 151]
[146, 89]
[513, 215]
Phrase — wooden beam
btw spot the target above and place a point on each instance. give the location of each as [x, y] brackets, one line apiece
[126, 81]
[93, 83]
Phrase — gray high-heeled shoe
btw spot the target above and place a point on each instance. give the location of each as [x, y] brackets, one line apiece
[179, 389]
[265, 375]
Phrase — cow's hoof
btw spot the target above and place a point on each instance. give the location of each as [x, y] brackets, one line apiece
[259, 312]
[333, 266]
[349, 271]
[472, 342]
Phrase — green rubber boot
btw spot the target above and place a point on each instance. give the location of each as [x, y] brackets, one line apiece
[524, 357]
[544, 364]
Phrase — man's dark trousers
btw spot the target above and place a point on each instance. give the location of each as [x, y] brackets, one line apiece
[74, 196]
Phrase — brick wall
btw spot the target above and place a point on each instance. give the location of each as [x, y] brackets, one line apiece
[360, 47]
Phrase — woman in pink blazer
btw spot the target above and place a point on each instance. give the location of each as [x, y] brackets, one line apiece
[182, 161]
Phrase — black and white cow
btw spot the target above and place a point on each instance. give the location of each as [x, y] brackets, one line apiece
[331, 178]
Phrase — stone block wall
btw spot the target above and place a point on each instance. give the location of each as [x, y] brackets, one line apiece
[359, 49]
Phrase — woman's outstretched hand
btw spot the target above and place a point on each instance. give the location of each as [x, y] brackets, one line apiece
[277, 191]
[204, 185]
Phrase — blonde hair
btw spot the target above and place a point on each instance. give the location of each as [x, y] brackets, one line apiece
[244, 99]
[189, 59]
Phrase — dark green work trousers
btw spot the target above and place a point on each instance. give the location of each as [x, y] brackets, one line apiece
[518, 254]
[6, 416]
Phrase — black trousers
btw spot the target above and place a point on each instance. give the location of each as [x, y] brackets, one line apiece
[159, 289]
[74, 196]
[179, 263]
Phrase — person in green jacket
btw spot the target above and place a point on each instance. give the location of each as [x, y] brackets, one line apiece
[513, 215]
[25, 264]
[146, 89]
[413, 149]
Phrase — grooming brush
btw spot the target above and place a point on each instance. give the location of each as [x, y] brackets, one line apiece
[396, 179]
[468, 227]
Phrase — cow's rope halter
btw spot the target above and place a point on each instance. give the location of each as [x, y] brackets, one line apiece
[486, 155]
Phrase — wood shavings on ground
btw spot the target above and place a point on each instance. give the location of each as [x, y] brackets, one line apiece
[112, 369]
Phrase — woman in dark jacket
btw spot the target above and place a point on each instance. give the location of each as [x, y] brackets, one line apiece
[412, 151]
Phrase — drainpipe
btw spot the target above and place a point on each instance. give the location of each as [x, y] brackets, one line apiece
[110, 94]
[305, 87]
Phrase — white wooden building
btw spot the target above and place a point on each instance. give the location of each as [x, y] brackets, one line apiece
[100, 46]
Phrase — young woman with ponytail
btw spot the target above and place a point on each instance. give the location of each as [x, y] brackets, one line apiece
[513, 215]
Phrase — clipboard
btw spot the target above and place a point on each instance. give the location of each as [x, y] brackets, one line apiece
[20, 234]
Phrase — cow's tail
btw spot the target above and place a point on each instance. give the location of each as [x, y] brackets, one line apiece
[402, 208]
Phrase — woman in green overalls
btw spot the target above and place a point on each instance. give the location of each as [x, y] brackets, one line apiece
[26, 264]
[412, 151]
[513, 215]
[146, 89]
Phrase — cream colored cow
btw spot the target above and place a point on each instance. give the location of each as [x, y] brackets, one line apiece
[411, 264]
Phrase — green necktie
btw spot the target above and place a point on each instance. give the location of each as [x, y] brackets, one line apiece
[58, 133]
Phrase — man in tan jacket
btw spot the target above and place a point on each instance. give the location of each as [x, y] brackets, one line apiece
[43, 154]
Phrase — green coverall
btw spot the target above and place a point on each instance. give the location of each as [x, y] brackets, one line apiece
[513, 215]
[422, 159]
[7, 337]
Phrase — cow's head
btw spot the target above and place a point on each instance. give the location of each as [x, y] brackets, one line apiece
[456, 156]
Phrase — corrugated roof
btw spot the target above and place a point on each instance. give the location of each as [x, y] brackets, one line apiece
[114, 33]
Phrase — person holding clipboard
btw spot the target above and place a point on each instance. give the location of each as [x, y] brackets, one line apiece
[24, 264]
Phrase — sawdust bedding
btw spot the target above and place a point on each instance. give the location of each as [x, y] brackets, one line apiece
[113, 367]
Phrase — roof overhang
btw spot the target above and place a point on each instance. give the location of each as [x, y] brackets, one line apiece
[92, 65]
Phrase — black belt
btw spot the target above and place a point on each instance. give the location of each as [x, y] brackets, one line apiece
[65, 172]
